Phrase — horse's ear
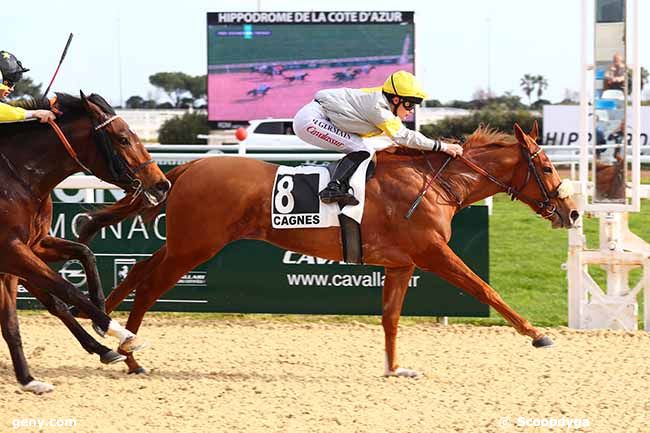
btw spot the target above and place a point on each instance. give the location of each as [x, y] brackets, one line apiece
[520, 135]
[89, 106]
[534, 133]
[84, 100]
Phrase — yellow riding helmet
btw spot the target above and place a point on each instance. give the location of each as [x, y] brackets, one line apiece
[405, 85]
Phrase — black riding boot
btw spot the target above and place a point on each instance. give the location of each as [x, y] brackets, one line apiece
[337, 190]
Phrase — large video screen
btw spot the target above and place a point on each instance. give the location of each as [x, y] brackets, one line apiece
[269, 64]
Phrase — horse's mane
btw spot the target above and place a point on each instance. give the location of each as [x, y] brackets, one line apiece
[482, 136]
[70, 106]
[456, 176]
[486, 136]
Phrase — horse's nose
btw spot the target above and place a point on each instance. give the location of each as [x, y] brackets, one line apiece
[163, 186]
[574, 215]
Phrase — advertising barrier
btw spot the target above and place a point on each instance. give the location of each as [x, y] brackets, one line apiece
[561, 125]
[256, 277]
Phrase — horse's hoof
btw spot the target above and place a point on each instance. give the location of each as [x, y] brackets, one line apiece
[111, 357]
[133, 344]
[139, 370]
[543, 342]
[403, 372]
[37, 387]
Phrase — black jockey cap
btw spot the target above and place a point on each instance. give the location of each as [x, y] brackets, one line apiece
[11, 70]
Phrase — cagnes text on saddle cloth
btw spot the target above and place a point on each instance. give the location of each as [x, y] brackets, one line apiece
[295, 202]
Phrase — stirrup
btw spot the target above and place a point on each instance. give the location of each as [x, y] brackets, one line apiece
[331, 195]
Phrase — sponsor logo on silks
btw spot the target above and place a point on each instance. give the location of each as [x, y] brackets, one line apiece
[331, 128]
[73, 272]
[324, 136]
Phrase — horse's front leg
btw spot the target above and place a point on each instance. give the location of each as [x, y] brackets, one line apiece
[59, 309]
[21, 261]
[52, 249]
[11, 334]
[395, 285]
[442, 261]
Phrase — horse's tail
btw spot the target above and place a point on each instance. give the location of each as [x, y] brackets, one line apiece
[127, 207]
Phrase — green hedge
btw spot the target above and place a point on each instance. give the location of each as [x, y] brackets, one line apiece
[460, 127]
[184, 130]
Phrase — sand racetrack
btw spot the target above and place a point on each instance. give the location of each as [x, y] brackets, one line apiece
[266, 375]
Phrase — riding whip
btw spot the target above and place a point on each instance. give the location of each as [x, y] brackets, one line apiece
[65, 51]
[418, 200]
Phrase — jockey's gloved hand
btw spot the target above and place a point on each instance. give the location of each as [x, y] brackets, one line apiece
[452, 149]
[42, 115]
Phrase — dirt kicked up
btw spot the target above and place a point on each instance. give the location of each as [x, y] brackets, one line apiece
[266, 375]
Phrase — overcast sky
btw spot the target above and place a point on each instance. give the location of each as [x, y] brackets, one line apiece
[118, 44]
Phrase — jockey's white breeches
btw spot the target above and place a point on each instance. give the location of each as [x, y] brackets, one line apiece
[312, 126]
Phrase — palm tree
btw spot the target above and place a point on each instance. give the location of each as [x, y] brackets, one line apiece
[527, 84]
[541, 83]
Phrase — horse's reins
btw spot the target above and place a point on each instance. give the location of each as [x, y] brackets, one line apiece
[74, 156]
[545, 212]
[417, 201]
[67, 145]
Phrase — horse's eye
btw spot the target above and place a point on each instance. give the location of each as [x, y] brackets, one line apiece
[547, 170]
[124, 141]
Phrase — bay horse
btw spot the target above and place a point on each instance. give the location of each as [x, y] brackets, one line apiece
[215, 201]
[610, 180]
[33, 161]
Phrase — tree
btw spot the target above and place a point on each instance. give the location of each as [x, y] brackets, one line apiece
[432, 103]
[178, 85]
[539, 104]
[175, 84]
[507, 101]
[27, 87]
[527, 84]
[198, 86]
[460, 104]
[482, 94]
[135, 102]
[187, 102]
[461, 126]
[541, 83]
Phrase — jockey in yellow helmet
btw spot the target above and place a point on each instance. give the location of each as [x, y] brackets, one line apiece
[339, 119]
[11, 71]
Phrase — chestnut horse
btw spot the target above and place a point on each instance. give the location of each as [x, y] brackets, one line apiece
[218, 200]
[33, 161]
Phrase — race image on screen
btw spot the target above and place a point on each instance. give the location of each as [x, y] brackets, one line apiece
[270, 64]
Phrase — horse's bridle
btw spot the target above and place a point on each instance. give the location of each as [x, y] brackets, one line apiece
[544, 208]
[117, 165]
